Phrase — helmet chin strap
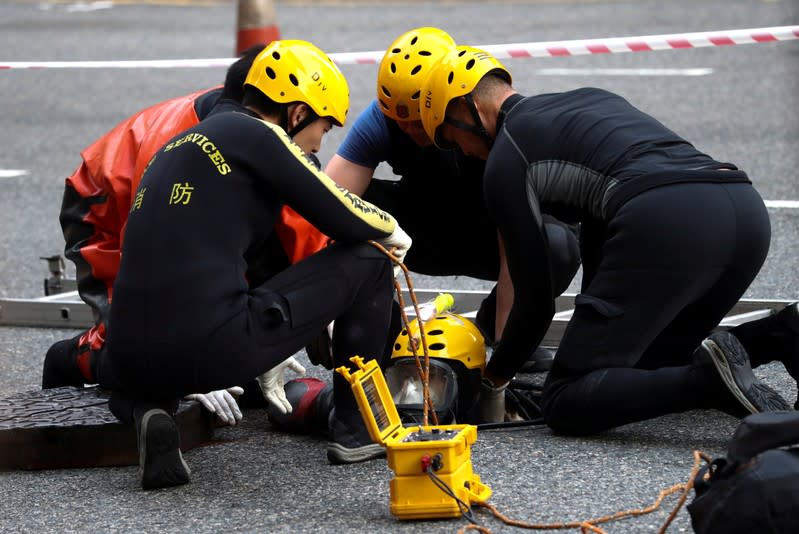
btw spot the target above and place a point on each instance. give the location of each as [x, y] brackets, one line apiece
[477, 128]
[284, 118]
[309, 118]
[284, 121]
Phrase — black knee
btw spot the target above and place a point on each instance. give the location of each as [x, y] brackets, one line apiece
[564, 409]
[60, 367]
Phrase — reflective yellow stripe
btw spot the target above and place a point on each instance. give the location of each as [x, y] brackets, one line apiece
[365, 211]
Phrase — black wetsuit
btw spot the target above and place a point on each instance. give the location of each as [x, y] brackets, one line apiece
[185, 317]
[439, 201]
[670, 240]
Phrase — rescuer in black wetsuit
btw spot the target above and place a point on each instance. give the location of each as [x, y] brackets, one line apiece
[670, 240]
[184, 317]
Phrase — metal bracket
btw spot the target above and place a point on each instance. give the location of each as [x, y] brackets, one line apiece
[57, 281]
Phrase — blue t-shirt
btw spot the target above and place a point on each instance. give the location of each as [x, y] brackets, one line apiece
[368, 142]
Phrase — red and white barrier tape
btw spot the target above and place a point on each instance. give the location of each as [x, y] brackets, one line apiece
[613, 45]
[644, 43]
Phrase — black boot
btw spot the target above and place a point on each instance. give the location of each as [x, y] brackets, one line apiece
[773, 338]
[540, 360]
[161, 463]
[731, 362]
[350, 441]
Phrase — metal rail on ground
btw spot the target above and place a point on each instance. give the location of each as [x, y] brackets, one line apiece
[61, 307]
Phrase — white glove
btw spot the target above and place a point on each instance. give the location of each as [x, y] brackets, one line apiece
[398, 244]
[491, 406]
[222, 403]
[272, 382]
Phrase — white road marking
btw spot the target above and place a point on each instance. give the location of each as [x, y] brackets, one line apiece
[789, 204]
[11, 173]
[777, 204]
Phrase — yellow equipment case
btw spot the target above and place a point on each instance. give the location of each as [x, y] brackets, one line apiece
[432, 465]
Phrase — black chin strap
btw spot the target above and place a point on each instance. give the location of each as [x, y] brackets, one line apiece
[477, 128]
[284, 118]
[309, 118]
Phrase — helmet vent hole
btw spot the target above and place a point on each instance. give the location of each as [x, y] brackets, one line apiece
[384, 105]
[393, 68]
[461, 53]
[271, 73]
[469, 64]
[397, 346]
[404, 332]
[276, 54]
[293, 80]
[407, 57]
[415, 96]
[425, 53]
[436, 332]
[416, 70]
[450, 78]
[385, 91]
[437, 346]
[396, 50]
[414, 40]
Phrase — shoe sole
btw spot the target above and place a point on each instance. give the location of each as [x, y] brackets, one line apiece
[338, 454]
[161, 463]
[733, 366]
[541, 361]
[537, 366]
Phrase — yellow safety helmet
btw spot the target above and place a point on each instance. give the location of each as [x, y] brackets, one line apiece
[297, 71]
[404, 67]
[457, 359]
[455, 75]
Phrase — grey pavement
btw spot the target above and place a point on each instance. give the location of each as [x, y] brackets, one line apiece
[255, 479]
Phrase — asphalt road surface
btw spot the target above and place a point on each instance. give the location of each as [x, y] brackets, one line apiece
[738, 103]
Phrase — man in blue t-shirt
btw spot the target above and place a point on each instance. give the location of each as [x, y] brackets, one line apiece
[439, 194]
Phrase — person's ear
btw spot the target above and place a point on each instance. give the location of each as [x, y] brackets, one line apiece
[298, 114]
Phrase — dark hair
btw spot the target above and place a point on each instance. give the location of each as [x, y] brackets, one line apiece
[256, 99]
[237, 73]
